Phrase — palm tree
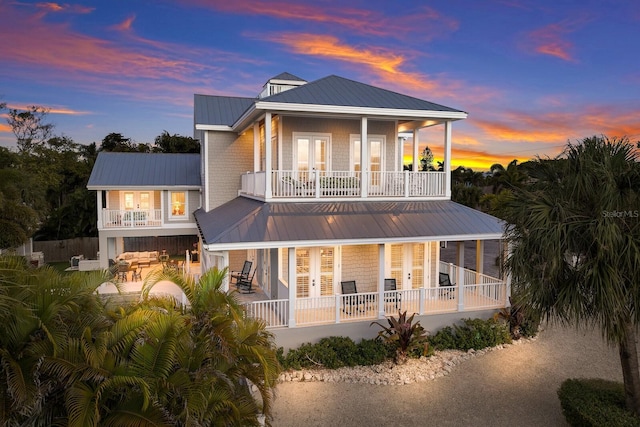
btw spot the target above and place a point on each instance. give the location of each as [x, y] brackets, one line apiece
[229, 350]
[575, 244]
[507, 178]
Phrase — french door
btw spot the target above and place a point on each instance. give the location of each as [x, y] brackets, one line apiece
[407, 263]
[315, 271]
[375, 162]
[312, 154]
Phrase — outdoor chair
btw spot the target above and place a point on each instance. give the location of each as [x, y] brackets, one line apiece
[445, 282]
[123, 269]
[391, 297]
[349, 289]
[245, 285]
[242, 275]
[136, 275]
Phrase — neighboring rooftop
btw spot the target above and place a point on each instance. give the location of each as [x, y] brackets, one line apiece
[156, 170]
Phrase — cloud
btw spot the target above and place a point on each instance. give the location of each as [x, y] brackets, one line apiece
[552, 39]
[423, 22]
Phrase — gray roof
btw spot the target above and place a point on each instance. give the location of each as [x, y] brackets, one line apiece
[338, 91]
[244, 222]
[287, 76]
[113, 170]
[219, 110]
[330, 91]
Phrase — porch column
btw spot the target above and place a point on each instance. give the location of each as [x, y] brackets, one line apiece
[99, 208]
[292, 287]
[479, 259]
[416, 144]
[267, 155]
[103, 247]
[460, 275]
[381, 275]
[364, 157]
[256, 147]
[225, 263]
[204, 175]
[447, 159]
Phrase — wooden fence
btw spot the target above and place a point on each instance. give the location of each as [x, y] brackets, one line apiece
[63, 250]
[174, 245]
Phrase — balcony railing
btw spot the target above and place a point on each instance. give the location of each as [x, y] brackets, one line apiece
[290, 184]
[476, 292]
[119, 218]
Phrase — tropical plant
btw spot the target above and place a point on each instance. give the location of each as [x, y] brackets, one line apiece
[575, 244]
[404, 335]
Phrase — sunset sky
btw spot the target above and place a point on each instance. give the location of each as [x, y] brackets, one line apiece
[531, 74]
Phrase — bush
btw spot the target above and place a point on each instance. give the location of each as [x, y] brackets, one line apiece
[595, 402]
[407, 337]
[475, 333]
[334, 352]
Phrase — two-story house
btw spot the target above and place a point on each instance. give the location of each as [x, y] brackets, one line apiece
[306, 181]
[146, 197]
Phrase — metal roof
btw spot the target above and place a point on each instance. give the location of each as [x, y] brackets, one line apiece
[219, 110]
[244, 222]
[113, 170]
[338, 91]
[287, 76]
[332, 91]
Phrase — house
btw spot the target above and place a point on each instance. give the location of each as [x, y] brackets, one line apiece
[306, 181]
[143, 197]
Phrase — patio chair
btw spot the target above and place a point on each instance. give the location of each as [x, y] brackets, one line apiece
[349, 288]
[445, 281]
[245, 285]
[243, 274]
[123, 269]
[391, 297]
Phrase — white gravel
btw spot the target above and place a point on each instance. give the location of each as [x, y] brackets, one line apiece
[511, 385]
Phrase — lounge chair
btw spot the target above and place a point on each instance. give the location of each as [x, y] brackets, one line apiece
[391, 297]
[245, 285]
[242, 275]
[445, 282]
[349, 289]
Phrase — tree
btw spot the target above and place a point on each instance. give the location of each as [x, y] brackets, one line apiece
[165, 143]
[507, 178]
[116, 142]
[29, 126]
[575, 244]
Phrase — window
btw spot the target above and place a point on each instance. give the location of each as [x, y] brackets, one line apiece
[178, 208]
[128, 200]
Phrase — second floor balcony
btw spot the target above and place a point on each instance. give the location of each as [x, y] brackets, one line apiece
[296, 185]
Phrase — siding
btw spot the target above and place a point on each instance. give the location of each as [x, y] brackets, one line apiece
[360, 263]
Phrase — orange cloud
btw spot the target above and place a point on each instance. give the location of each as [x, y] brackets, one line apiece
[425, 21]
[550, 40]
[126, 24]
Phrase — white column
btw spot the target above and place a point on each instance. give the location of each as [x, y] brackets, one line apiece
[447, 159]
[460, 276]
[292, 287]
[268, 155]
[364, 157]
[99, 208]
[416, 146]
[256, 147]
[479, 259]
[225, 263]
[381, 275]
[205, 175]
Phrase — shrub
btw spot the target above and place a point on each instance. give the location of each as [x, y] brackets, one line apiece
[595, 402]
[522, 321]
[474, 333]
[404, 335]
[334, 352]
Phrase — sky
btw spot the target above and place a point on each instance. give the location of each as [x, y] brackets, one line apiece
[533, 75]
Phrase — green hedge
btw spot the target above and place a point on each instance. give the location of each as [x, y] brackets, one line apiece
[595, 402]
[474, 333]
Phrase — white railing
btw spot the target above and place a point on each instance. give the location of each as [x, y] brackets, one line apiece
[136, 218]
[288, 184]
[489, 293]
[273, 312]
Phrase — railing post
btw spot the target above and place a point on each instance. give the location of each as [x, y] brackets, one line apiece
[338, 304]
[423, 296]
[460, 280]
[316, 184]
[406, 183]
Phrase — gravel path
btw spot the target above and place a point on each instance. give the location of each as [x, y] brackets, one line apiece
[513, 386]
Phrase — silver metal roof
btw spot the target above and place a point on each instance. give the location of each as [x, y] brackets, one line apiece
[243, 222]
[287, 76]
[113, 170]
[329, 91]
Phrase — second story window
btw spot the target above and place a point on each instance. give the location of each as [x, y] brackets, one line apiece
[178, 208]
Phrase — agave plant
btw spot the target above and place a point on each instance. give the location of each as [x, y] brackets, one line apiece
[404, 335]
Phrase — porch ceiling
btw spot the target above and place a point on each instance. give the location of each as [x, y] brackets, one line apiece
[246, 223]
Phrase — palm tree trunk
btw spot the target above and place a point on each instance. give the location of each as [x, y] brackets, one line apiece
[630, 368]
